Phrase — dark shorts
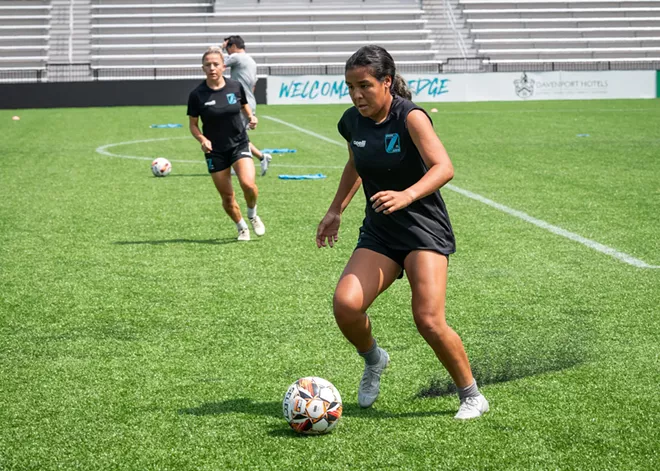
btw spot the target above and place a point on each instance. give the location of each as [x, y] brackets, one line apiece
[219, 161]
[366, 241]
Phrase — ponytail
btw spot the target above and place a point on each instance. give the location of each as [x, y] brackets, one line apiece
[400, 87]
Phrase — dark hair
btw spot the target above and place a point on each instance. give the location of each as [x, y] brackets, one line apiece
[381, 65]
[235, 41]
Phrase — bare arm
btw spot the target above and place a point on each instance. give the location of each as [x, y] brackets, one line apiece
[348, 185]
[441, 170]
[436, 159]
[247, 111]
[193, 125]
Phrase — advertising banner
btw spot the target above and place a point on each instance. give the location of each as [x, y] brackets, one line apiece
[510, 86]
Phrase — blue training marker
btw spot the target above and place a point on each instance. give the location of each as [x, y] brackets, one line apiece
[316, 176]
[278, 151]
[169, 125]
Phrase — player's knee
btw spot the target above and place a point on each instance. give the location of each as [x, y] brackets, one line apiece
[249, 187]
[346, 307]
[228, 199]
[430, 321]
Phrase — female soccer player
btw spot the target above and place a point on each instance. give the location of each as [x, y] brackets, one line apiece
[220, 101]
[395, 154]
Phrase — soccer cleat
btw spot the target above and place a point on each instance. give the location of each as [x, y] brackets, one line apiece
[258, 226]
[370, 383]
[265, 160]
[244, 234]
[472, 407]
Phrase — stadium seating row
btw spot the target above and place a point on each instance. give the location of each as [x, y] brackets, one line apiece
[165, 38]
[24, 34]
[564, 31]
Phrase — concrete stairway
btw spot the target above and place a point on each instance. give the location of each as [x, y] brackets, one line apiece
[449, 30]
[70, 41]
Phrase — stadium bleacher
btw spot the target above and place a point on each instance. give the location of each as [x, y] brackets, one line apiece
[120, 39]
[564, 31]
[172, 36]
[24, 34]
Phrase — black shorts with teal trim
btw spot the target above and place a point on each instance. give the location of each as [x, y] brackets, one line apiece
[367, 241]
[219, 161]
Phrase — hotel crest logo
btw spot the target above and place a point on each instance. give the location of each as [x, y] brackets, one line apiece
[524, 86]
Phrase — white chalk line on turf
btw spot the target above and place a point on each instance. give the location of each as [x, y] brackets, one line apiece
[103, 150]
[513, 212]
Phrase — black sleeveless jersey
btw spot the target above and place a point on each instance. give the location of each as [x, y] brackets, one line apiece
[220, 111]
[386, 158]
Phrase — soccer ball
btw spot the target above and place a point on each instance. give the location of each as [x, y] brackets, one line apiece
[312, 406]
[161, 167]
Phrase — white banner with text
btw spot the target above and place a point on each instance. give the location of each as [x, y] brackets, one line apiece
[505, 86]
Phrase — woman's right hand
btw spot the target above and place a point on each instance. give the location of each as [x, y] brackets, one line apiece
[207, 147]
[328, 229]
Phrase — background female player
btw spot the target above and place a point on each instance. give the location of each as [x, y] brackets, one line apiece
[220, 101]
[396, 155]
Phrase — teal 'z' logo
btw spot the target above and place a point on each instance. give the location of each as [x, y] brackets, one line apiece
[392, 143]
[231, 98]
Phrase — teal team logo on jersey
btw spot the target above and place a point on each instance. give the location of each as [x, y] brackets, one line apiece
[231, 98]
[392, 143]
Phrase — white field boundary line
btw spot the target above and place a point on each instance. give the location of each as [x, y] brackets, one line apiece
[103, 150]
[513, 212]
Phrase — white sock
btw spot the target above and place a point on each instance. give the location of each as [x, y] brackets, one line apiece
[252, 212]
[241, 225]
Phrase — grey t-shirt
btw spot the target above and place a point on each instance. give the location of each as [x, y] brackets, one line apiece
[244, 69]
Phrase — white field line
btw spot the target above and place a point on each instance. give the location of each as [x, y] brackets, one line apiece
[513, 212]
[103, 150]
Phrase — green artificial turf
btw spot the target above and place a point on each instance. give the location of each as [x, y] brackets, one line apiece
[136, 334]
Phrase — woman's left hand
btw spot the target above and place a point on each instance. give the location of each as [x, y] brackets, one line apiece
[253, 122]
[389, 201]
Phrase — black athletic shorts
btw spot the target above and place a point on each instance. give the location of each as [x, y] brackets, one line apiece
[218, 161]
[367, 241]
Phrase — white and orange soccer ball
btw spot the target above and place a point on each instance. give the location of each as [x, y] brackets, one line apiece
[312, 406]
[161, 167]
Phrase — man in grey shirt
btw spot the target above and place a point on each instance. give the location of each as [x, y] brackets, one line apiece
[244, 69]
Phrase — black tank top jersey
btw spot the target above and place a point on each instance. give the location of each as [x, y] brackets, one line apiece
[221, 114]
[386, 158]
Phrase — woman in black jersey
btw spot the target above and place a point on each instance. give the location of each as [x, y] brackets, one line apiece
[219, 101]
[394, 153]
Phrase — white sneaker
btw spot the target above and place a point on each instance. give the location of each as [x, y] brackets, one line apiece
[370, 383]
[472, 407]
[244, 234]
[258, 226]
[264, 163]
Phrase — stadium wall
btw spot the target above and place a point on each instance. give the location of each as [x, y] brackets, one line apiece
[320, 89]
[500, 86]
[103, 93]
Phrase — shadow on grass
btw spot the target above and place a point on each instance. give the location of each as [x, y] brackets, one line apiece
[178, 241]
[188, 175]
[516, 365]
[274, 409]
